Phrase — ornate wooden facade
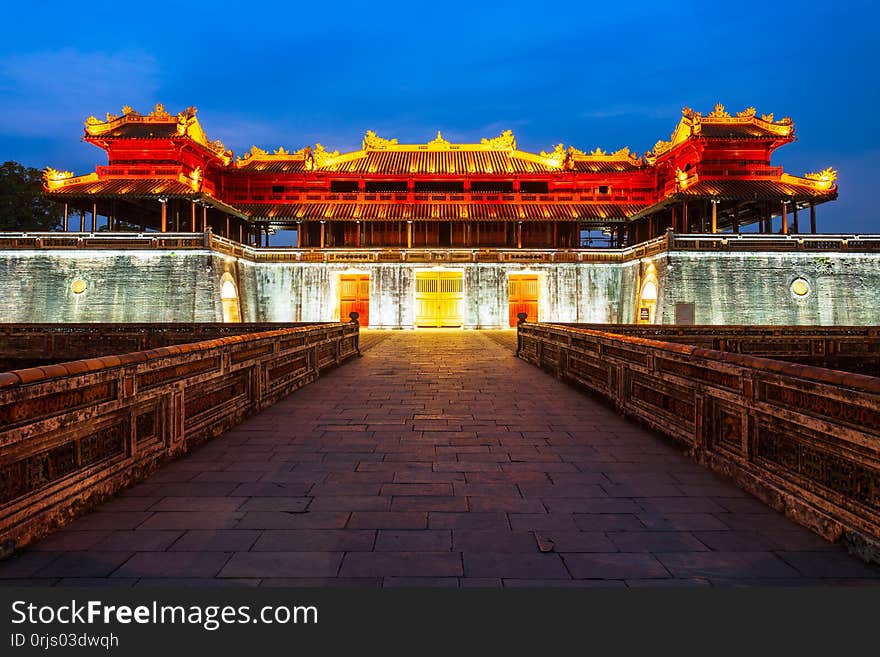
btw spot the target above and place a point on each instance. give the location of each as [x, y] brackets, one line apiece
[713, 174]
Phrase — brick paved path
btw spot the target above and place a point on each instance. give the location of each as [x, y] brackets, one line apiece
[436, 459]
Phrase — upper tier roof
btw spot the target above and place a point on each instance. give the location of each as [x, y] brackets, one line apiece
[719, 124]
[491, 156]
[158, 124]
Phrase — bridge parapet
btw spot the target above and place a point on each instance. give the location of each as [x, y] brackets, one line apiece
[804, 439]
[73, 433]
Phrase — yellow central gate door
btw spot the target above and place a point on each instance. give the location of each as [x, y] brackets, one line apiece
[438, 298]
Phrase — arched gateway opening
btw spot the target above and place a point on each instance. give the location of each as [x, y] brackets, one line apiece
[229, 300]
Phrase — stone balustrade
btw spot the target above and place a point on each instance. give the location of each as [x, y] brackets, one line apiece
[848, 348]
[73, 433]
[805, 440]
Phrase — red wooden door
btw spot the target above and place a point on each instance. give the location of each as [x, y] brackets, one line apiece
[523, 296]
[354, 296]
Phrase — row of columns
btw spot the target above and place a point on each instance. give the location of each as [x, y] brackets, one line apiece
[680, 221]
[263, 229]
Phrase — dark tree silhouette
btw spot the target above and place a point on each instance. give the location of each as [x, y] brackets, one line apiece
[22, 203]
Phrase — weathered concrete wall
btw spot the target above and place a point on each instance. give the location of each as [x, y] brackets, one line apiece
[755, 288]
[277, 292]
[165, 286]
[120, 286]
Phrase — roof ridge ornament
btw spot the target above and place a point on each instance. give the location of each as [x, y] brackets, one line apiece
[54, 175]
[828, 175]
[556, 157]
[439, 143]
[374, 142]
[719, 112]
[322, 157]
[159, 112]
[503, 142]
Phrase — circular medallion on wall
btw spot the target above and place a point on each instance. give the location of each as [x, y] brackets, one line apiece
[800, 288]
[78, 286]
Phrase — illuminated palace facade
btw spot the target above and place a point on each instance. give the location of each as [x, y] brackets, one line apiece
[441, 233]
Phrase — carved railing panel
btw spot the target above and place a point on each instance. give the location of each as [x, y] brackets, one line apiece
[804, 439]
[74, 433]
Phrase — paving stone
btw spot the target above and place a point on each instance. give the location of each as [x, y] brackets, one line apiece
[287, 504]
[579, 541]
[429, 503]
[69, 540]
[541, 521]
[184, 520]
[322, 582]
[388, 520]
[142, 540]
[656, 542]
[472, 520]
[282, 564]
[413, 540]
[85, 564]
[198, 504]
[726, 565]
[286, 520]
[589, 522]
[173, 564]
[493, 540]
[514, 565]
[315, 540]
[827, 565]
[506, 504]
[216, 540]
[401, 564]
[620, 566]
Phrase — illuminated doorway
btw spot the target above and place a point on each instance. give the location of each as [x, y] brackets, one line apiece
[229, 300]
[354, 296]
[439, 297]
[647, 306]
[522, 294]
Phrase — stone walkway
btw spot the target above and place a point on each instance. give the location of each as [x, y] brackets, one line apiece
[437, 459]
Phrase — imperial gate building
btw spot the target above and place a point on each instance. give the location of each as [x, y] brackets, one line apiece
[702, 228]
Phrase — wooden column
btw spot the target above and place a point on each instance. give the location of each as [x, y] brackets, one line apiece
[228, 234]
[794, 217]
[322, 234]
[241, 231]
[164, 216]
[94, 217]
[519, 234]
[409, 234]
[267, 232]
[555, 234]
[304, 235]
[357, 234]
[784, 219]
[66, 223]
[685, 228]
[192, 216]
[204, 218]
[714, 217]
[735, 226]
[651, 227]
[813, 218]
[82, 221]
[467, 234]
[674, 221]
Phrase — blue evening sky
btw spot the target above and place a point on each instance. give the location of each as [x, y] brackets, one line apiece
[587, 74]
